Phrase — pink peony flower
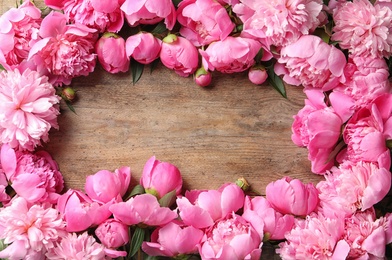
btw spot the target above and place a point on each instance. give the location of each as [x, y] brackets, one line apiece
[291, 196]
[233, 54]
[203, 21]
[33, 176]
[257, 75]
[353, 187]
[159, 178]
[29, 230]
[77, 247]
[111, 53]
[112, 233]
[173, 240]
[65, 51]
[143, 47]
[102, 15]
[279, 22]
[311, 62]
[364, 29]
[268, 223]
[142, 209]
[28, 109]
[179, 54]
[202, 208]
[203, 77]
[105, 186]
[19, 30]
[231, 238]
[149, 12]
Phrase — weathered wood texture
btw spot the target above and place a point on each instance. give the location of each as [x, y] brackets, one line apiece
[213, 135]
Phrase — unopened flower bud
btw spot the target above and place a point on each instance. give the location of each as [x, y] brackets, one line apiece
[243, 184]
[68, 94]
[257, 75]
[203, 78]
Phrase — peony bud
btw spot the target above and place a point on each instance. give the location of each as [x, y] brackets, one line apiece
[68, 94]
[243, 184]
[143, 47]
[257, 75]
[203, 78]
[112, 233]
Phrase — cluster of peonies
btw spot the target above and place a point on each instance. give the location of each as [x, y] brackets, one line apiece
[338, 52]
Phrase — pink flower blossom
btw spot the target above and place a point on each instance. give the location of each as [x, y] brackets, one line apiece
[311, 62]
[364, 29]
[172, 240]
[203, 77]
[268, 223]
[179, 54]
[233, 54]
[103, 15]
[279, 22]
[4, 197]
[257, 75]
[353, 187]
[33, 176]
[202, 208]
[142, 209]
[111, 53]
[149, 12]
[112, 233]
[203, 21]
[231, 238]
[291, 196]
[77, 247]
[28, 109]
[160, 178]
[65, 51]
[143, 47]
[19, 30]
[29, 230]
[105, 186]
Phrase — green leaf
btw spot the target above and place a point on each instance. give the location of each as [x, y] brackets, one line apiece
[276, 82]
[137, 71]
[160, 28]
[137, 190]
[153, 65]
[137, 240]
[168, 199]
[70, 106]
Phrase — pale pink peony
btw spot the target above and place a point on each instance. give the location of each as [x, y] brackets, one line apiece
[315, 237]
[203, 21]
[142, 209]
[29, 230]
[291, 196]
[28, 109]
[77, 247]
[149, 12]
[233, 54]
[112, 233]
[269, 223]
[233, 238]
[173, 240]
[65, 51]
[105, 186]
[353, 187]
[18, 31]
[143, 47]
[103, 15]
[364, 29]
[279, 22]
[111, 53]
[201, 208]
[311, 62]
[33, 176]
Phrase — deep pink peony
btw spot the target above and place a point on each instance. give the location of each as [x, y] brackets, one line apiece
[291, 196]
[143, 47]
[279, 22]
[233, 54]
[103, 15]
[364, 29]
[233, 238]
[111, 53]
[18, 31]
[257, 75]
[28, 109]
[149, 12]
[201, 208]
[77, 247]
[33, 176]
[105, 186]
[311, 62]
[203, 77]
[173, 240]
[29, 230]
[203, 21]
[65, 51]
[112, 233]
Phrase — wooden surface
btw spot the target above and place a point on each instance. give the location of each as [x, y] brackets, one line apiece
[213, 135]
